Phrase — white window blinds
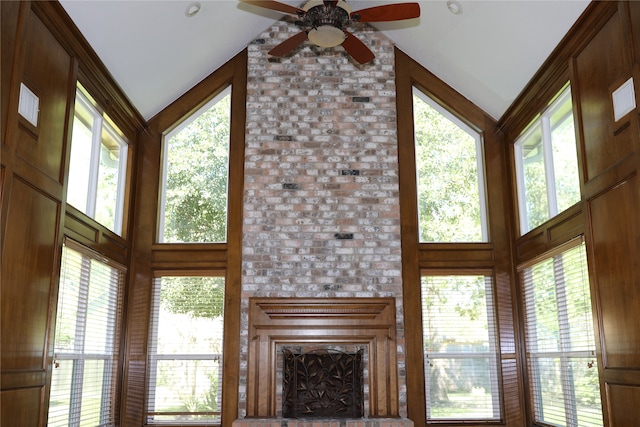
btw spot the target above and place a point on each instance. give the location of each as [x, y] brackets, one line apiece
[87, 337]
[185, 351]
[460, 348]
[563, 375]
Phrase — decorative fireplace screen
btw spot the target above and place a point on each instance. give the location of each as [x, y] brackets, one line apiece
[322, 384]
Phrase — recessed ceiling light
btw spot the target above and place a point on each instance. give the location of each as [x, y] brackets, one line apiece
[454, 7]
[192, 10]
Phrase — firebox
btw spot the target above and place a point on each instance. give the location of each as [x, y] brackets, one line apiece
[322, 384]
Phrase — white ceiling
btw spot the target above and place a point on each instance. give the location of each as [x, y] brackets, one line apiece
[488, 53]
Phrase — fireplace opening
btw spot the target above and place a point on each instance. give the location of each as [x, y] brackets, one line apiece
[323, 383]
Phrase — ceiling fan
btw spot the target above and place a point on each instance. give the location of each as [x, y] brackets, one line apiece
[323, 23]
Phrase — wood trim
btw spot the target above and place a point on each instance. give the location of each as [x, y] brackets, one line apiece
[558, 230]
[416, 409]
[233, 280]
[90, 233]
[322, 321]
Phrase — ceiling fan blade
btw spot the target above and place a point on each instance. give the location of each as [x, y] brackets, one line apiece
[289, 44]
[275, 5]
[358, 50]
[331, 3]
[389, 12]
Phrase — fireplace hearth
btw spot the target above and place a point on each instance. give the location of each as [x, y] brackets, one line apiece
[322, 384]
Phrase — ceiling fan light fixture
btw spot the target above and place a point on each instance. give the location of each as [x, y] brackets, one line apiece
[326, 36]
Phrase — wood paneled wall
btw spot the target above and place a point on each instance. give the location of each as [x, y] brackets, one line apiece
[42, 49]
[601, 53]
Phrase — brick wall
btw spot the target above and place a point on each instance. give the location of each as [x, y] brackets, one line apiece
[321, 200]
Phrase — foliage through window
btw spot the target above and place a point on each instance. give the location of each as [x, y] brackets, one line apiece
[547, 165]
[86, 344]
[98, 165]
[560, 341]
[450, 174]
[195, 176]
[185, 353]
[460, 349]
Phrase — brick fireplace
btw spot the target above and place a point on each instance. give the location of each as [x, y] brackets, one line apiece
[321, 228]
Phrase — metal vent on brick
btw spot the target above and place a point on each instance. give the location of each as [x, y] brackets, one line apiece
[322, 384]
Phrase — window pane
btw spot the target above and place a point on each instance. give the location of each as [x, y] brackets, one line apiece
[550, 403]
[451, 204]
[196, 160]
[186, 349]
[535, 188]
[108, 200]
[547, 165]
[460, 350]
[560, 341]
[460, 388]
[80, 162]
[60, 398]
[86, 347]
[92, 389]
[565, 158]
[187, 386]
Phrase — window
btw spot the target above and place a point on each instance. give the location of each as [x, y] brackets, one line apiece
[460, 348]
[450, 174]
[97, 169]
[547, 165]
[87, 337]
[193, 197]
[560, 342]
[185, 354]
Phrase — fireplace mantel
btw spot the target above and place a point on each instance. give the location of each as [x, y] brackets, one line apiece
[370, 322]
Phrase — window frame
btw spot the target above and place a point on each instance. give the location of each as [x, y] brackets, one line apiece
[113, 352]
[153, 357]
[164, 161]
[102, 123]
[480, 163]
[542, 123]
[561, 353]
[493, 355]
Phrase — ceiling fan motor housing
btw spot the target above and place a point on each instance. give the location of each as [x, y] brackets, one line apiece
[326, 22]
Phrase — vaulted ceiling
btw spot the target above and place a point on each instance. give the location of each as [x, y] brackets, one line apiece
[488, 52]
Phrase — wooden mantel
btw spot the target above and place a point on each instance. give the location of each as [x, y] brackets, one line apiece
[274, 322]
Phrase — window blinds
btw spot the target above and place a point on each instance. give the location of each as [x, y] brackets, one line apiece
[563, 376]
[87, 335]
[460, 350]
[185, 350]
